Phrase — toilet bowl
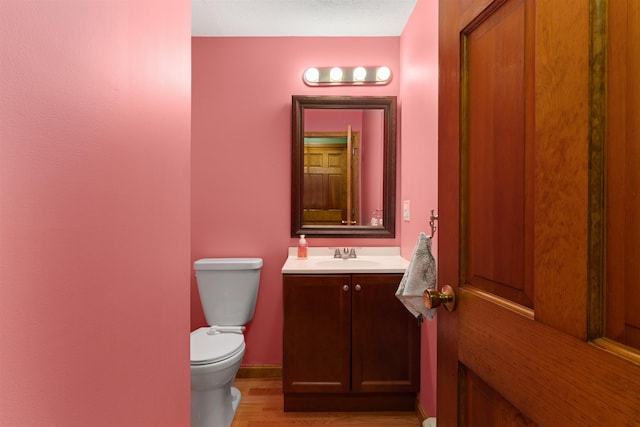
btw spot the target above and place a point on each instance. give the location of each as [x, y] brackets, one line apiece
[215, 360]
[228, 289]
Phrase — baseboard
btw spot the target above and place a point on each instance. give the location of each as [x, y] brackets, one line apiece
[260, 371]
[420, 413]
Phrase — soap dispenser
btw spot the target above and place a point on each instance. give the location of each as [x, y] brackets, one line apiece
[302, 248]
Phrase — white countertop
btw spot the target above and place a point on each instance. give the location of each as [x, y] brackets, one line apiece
[369, 260]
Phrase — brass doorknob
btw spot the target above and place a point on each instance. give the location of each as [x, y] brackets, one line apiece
[446, 297]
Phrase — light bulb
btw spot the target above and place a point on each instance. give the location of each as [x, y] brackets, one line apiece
[335, 74]
[359, 74]
[383, 74]
[312, 75]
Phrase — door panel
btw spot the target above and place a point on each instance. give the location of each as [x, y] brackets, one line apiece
[623, 175]
[486, 408]
[493, 148]
[529, 355]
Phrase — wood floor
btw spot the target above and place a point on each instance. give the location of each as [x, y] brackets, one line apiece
[262, 402]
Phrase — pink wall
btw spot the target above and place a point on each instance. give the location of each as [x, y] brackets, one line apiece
[94, 213]
[419, 156]
[241, 156]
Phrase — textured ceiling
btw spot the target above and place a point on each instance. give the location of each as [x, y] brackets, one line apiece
[299, 18]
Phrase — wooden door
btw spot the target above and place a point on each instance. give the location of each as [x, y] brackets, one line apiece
[385, 338]
[331, 180]
[523, 224]
[325, 184]
[356, 183]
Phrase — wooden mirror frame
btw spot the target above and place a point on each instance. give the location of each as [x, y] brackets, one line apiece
[388, 104]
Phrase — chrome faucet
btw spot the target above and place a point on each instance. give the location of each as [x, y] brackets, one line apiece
[345, 254]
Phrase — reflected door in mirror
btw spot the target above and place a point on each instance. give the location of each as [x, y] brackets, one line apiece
[331, 192]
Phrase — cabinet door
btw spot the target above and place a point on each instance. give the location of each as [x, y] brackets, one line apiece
[386, 337]
[317, 334]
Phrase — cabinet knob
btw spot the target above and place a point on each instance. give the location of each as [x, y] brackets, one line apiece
[345, 288]
[358, 287]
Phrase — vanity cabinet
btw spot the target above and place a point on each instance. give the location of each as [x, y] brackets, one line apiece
[349, 344]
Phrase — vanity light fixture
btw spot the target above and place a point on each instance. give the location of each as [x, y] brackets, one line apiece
[373, 75]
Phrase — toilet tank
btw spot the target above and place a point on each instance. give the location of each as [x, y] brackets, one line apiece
[228, 289]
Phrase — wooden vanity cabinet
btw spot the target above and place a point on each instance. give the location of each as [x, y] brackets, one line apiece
[349, 344]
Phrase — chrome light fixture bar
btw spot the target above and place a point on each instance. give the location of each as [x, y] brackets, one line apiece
[322, 76]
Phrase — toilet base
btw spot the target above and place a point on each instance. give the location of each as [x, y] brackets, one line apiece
[214, 408]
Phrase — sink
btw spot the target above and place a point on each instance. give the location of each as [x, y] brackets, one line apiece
[346, 263]
[369, 260]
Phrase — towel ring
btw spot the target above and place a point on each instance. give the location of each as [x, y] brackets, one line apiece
[432, 222]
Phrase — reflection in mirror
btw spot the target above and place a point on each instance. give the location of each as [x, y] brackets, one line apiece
[343, 174]
[342, 179]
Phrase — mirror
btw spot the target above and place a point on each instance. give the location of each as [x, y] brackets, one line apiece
[343, 178]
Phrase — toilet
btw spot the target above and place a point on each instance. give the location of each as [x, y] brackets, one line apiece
[228, 291]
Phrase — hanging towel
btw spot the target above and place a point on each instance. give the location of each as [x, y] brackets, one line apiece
[419, 276]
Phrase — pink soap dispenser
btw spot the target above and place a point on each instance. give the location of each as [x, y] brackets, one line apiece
[303, 248]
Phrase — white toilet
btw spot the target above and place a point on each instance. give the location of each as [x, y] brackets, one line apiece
[228, 290]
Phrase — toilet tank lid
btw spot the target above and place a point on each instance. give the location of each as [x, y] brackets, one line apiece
[228, 264]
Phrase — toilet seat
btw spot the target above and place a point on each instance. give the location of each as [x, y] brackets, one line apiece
[207, 348]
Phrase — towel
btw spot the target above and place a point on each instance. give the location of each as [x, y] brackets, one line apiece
[419, 276]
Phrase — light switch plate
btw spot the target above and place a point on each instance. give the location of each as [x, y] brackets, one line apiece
[406, 210]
